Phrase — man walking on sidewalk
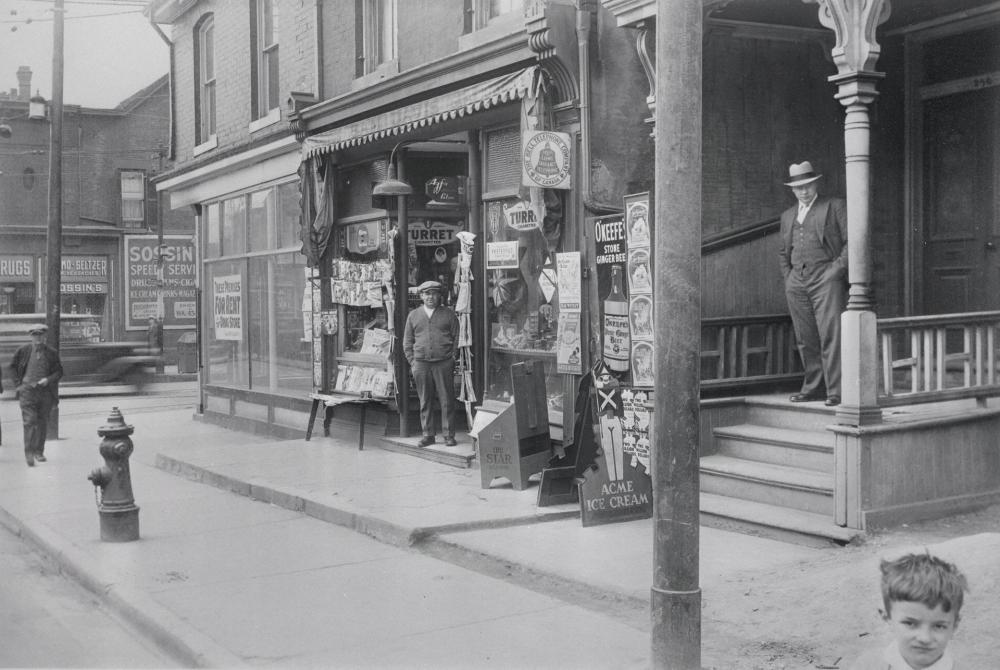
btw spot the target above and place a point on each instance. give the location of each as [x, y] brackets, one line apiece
[36, 372]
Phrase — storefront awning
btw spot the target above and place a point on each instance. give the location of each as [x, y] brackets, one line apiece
[446, 107]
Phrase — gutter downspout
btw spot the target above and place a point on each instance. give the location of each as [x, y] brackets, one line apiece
[170, 86]
[584, 13]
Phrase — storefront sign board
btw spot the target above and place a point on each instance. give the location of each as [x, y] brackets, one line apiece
[19, 268]
[227, 301]
[83, 274]
[156, 272]
[427, 233]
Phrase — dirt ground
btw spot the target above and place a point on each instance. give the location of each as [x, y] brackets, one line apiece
[822, 613]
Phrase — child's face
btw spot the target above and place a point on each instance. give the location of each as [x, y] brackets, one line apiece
[922, 633]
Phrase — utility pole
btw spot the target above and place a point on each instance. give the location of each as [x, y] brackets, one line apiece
[54, 239]
[675, 597]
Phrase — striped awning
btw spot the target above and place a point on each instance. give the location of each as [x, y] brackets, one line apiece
[445, 107]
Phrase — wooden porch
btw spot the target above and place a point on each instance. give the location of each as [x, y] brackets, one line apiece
[792, 470]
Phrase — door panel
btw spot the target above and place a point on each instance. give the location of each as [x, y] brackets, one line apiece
[961, 228]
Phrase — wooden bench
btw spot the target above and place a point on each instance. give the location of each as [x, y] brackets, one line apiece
[331, 401]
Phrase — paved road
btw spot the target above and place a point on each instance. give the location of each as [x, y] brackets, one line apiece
[49, 621]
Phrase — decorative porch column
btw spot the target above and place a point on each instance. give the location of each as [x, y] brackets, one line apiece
[855, 53]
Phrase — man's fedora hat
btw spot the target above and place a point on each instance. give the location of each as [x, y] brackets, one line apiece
[429, 285]
[38, 328]
[801, 174]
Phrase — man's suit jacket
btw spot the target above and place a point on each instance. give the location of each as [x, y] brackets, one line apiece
[829, 217]
[430, 339]
[20, 365]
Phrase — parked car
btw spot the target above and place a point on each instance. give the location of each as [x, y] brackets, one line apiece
[87, 360]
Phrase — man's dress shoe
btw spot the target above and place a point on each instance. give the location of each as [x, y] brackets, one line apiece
[805, 397]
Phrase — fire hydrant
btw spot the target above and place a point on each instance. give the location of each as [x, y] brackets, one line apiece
[116, 506]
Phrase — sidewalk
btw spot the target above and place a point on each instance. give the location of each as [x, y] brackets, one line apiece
[459, 577]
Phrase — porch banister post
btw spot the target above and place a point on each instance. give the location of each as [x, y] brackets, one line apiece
[855, 53]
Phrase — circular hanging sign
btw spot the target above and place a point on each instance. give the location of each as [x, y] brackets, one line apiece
[545, 159]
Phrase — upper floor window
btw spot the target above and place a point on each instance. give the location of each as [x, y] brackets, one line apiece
[265, 46]
[499, 7]
[377, 43]
[133, 189]
[480, 13]
[205, 66]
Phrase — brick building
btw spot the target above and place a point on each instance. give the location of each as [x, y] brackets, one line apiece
[109, 205]
[289, 114]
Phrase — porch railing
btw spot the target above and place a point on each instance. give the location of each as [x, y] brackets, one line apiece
[939, 357]
[922, 358]
[741, 352]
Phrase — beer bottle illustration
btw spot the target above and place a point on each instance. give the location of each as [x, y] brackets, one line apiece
[617, 340]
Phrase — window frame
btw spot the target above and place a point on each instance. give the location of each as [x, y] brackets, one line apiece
[205, 76]
[132, 196]
[377, 32]
[265, 83]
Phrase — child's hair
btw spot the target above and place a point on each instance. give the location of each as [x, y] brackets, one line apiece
[925, 579]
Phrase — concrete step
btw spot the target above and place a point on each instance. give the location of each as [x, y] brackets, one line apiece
[781, 485]
[774, 522]
[461, 456]
[779, 412]
[809, 449]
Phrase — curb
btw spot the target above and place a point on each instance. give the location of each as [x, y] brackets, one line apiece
[379, 529]
[171, 634]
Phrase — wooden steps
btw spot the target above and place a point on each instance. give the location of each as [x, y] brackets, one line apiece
[773, 475]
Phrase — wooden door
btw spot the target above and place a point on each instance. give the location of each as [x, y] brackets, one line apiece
[954, 75]
[961, 208]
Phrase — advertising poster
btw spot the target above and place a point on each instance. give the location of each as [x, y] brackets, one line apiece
[639, 233]
[636, 425]
[568, 272]
[501, 255]
[227, 299]
[618, 486]
[155, 273]
[568, 354]
[611, 259]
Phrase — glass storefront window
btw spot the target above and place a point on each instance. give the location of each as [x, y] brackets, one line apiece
[227, 350]
[523, 307]
[257, 327]
[288, 215]
[260, 221]
[234, 226]
[213, 231]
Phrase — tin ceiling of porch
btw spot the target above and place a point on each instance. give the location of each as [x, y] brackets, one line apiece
[905, 13]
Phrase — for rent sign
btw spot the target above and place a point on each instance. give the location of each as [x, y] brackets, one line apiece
[155, 273]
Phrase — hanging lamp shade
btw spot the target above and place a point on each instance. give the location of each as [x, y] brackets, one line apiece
[391, 185]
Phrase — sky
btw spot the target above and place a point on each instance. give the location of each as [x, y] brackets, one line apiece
[110, 49]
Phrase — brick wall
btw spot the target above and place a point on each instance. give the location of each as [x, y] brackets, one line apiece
[233, 55]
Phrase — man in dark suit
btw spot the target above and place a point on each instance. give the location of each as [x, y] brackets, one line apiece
[429, 344]
[36, 371]
[813, 260]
